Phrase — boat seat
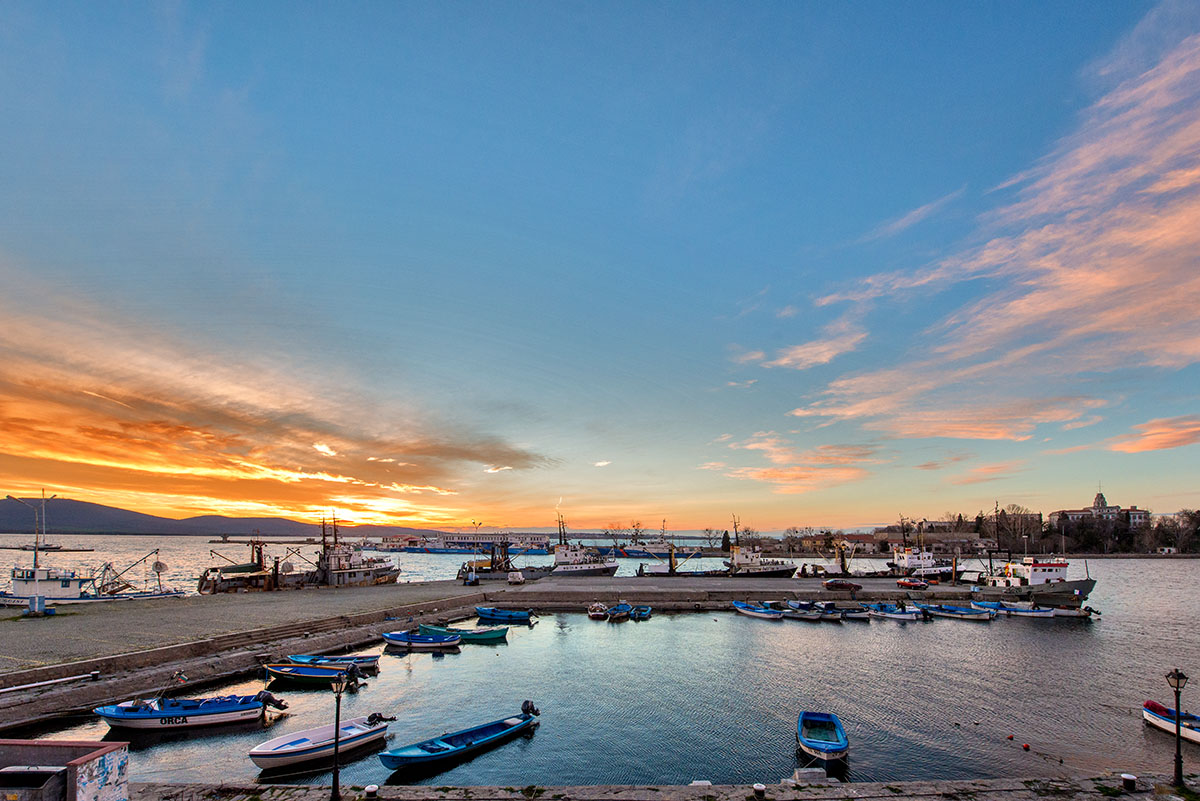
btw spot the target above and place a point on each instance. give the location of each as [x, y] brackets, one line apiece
[433, 748]
[511, 721]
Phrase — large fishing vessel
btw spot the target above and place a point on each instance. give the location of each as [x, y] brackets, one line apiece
[58, 586]
[1042, 579]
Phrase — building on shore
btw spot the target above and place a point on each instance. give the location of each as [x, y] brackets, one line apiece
[1101, 509]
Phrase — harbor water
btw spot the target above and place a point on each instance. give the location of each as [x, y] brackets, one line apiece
[715, 696]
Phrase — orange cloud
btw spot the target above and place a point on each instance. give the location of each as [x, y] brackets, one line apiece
[841, 337]
[987, 472]
[804, 470]
[1160, 434]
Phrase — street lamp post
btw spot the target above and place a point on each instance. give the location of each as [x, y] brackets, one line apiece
[339, 686]
[1178, 681]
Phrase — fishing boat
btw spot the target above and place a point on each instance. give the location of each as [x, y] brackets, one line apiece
[421, 642]
[59, 586]
[486, 634]
[316, 745]
[1014, 610]
[640, 613]
[959, 612]
[751, 564]
[1041, 579]
[314, 674]
[764, 612]
[364, 662]
[619, 612]
[184, 713]
[461, 743]
[504, 615]
[894, 612]
[821, 735]
[598, 611]
[1162, 717]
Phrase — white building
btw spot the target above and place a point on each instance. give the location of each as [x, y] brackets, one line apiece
[1101, 510]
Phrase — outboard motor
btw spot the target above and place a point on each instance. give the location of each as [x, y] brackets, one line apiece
[528, 708]
[376, 718]
[268, 699]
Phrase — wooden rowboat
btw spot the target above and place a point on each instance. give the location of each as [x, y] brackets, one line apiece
[504, 615]
[460, 743]
[821, 735]
[316, 745]
[364, 662]
[486, 634]
[421, 642]
[764, 612]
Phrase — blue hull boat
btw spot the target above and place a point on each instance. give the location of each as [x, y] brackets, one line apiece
[449, 747]
[619, 612]
[1163, 717]
[321, 675]
[184, 713]
[765, 612]
[958, 612]
[504, 615]
[365, 662]
[640, 613]
[421, 642]
[821, 735]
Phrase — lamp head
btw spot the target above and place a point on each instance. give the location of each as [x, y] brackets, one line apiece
[1177, 679]
[339, 682]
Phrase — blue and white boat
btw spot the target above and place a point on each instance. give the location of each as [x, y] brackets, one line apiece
[821, 735]
[461, 743]
[894, 612]
[365, 662]
[619, 612]
[184, 713]
[504, 615]
[316, 745]
[958, 612]
[825, 611]
[1014, 610]
[641, 613]
[421, 642]
[1163, 717]
[764, 612]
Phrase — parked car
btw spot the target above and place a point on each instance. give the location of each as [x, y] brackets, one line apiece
[912, 584]
[841, 584]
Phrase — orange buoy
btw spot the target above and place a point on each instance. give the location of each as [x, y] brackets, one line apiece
[1025, 746]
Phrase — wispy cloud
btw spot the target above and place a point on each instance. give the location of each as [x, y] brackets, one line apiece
[1160, 434]
[988, 472]
[604, 463]
[797, 471]
[905, 221]
[841, 336]
[938, 464]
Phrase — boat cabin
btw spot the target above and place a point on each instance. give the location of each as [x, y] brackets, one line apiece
[1030, 570]
[50, 582]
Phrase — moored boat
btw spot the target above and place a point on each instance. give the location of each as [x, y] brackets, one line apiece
[619, 612]
[182, 713]
[894, 612]
[316, 674]
[485, 634]
[821, 735]
[764, 612]
[751, 564]
[463, 742]
[364, 662]
[1163, 717]
[1014, 610]
[421, 642]
[598, 611]
[958, 612]
[316, 745]
[640, 613]
[492, 613]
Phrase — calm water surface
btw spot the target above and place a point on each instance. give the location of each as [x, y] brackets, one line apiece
[715, 696]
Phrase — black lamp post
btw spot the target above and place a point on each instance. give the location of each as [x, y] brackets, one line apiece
[1178, 681]
[339, 686]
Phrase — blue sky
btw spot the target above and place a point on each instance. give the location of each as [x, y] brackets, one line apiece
[815, 264]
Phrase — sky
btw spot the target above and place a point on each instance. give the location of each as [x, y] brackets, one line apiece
[435, 264]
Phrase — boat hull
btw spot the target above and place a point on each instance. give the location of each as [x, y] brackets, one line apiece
[957, 612]
[181, 713]
[365, 662]
[316, 745]
[460, 744]
[8, 599]
[821, 736]
[749, 610]
[499, 634]
[310, 674]
[585, 570]
[1001, 608]
[1164, 718]
[421, 642]
[503, 615]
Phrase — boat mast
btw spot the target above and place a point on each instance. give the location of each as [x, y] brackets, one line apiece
[736, 539]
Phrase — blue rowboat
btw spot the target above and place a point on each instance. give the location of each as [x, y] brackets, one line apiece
[421, 642]
[640, 613]
[619, 612]
[1009, 610]
[820, 735]
[461, 743]
[1163, 717]
[504, 615]
[894, 612]
[365, 662]
[316, 745]
[182, 713]
[489, 634]
[311, 674]
[959, 612]
[765, 612]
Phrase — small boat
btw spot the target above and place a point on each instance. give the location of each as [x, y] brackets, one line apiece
[180, 713]
[461, 743]
[421, 642]
[1075, 611]
[598, 611]
[486, 634]
[619, 612]
[912, 584]
[316, 745]
[959, 612]
[640, 613]
[364, 662]
[859, 612]
[894, 612]
[1013, 610]
[311, 673]
[820, 735]
[1162, 717]
[504, 615]
[808, 615]
[765, 612]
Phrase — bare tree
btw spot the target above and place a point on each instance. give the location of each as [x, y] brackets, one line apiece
[712, 538]
[635, 530]
[614, 531]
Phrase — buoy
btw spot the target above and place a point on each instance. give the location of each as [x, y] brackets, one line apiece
[1009, 737]
[1025, 746]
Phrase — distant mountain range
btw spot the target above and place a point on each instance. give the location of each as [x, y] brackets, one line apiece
[65, 516]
